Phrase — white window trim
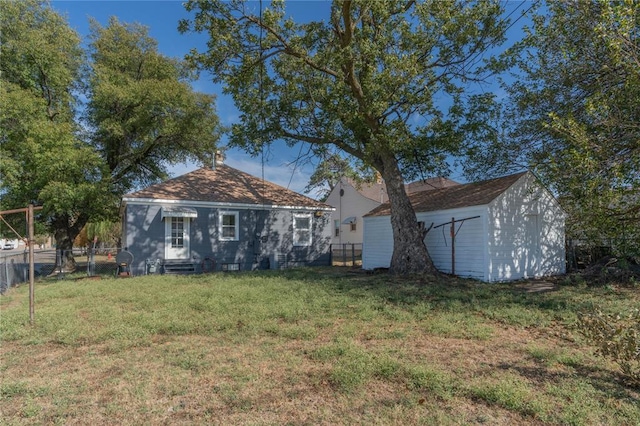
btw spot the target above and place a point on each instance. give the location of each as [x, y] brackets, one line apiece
[223, 213]
[295, 229]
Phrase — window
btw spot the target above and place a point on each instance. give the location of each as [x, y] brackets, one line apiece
[228, 226]
[336, 228]
[177, 232]
[352, 226]
[301, 229]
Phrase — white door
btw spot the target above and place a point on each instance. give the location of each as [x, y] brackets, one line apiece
[176, 238]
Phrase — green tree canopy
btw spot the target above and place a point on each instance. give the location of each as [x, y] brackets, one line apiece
[142, 109]
[383, 81]
[78, 159]
[42, 159]
[573, 116]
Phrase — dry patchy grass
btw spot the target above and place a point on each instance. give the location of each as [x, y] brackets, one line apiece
[321, 347]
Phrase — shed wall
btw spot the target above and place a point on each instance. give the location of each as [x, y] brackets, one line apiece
[377, 244]
[525, 233]
[470, 241]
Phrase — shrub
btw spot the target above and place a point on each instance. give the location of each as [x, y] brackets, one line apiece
[617, 337]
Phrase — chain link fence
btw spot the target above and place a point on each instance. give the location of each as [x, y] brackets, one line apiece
[55, 264]
[81, 263]
[346, 254]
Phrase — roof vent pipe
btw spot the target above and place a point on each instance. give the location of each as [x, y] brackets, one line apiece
[218, 159]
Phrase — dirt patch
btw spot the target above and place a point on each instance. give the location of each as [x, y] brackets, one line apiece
[537, 286]
[89, 278]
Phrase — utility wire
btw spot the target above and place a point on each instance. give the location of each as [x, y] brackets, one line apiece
[261, 91]
[295, 164]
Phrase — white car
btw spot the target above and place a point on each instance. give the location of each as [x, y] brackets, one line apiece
[8, 246]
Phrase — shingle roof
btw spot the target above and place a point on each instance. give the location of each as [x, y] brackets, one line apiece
[225, 184]
[452, 197]
[429, 184]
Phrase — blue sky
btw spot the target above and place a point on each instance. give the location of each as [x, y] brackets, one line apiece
[161, 17]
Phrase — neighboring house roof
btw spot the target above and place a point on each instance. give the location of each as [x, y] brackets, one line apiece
[377, 191]
[225, 185]
[456, 196]
[431, 183]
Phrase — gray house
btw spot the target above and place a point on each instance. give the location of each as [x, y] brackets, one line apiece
[223, 219]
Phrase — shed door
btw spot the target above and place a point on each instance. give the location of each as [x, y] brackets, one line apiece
[177, 237]
[532, 245]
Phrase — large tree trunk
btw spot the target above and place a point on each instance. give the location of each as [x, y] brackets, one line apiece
[410, 254]
[65, 231]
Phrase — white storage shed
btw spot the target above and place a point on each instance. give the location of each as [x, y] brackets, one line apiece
[501, 229]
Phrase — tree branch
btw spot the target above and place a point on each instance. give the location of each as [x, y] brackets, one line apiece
[289, 50]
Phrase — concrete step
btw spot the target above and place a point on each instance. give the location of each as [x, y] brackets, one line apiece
[179, 267]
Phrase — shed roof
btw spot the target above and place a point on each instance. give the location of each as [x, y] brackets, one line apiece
[456, 196]
[225, 184]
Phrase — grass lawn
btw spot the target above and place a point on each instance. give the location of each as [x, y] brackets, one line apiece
[322, 346]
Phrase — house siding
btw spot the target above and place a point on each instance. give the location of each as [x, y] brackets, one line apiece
[265, 238]
[351, 203]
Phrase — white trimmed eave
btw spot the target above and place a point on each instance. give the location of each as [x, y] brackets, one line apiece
[209, 204]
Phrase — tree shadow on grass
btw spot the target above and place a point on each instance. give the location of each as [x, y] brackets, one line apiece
[610, 383]
[445, 292]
